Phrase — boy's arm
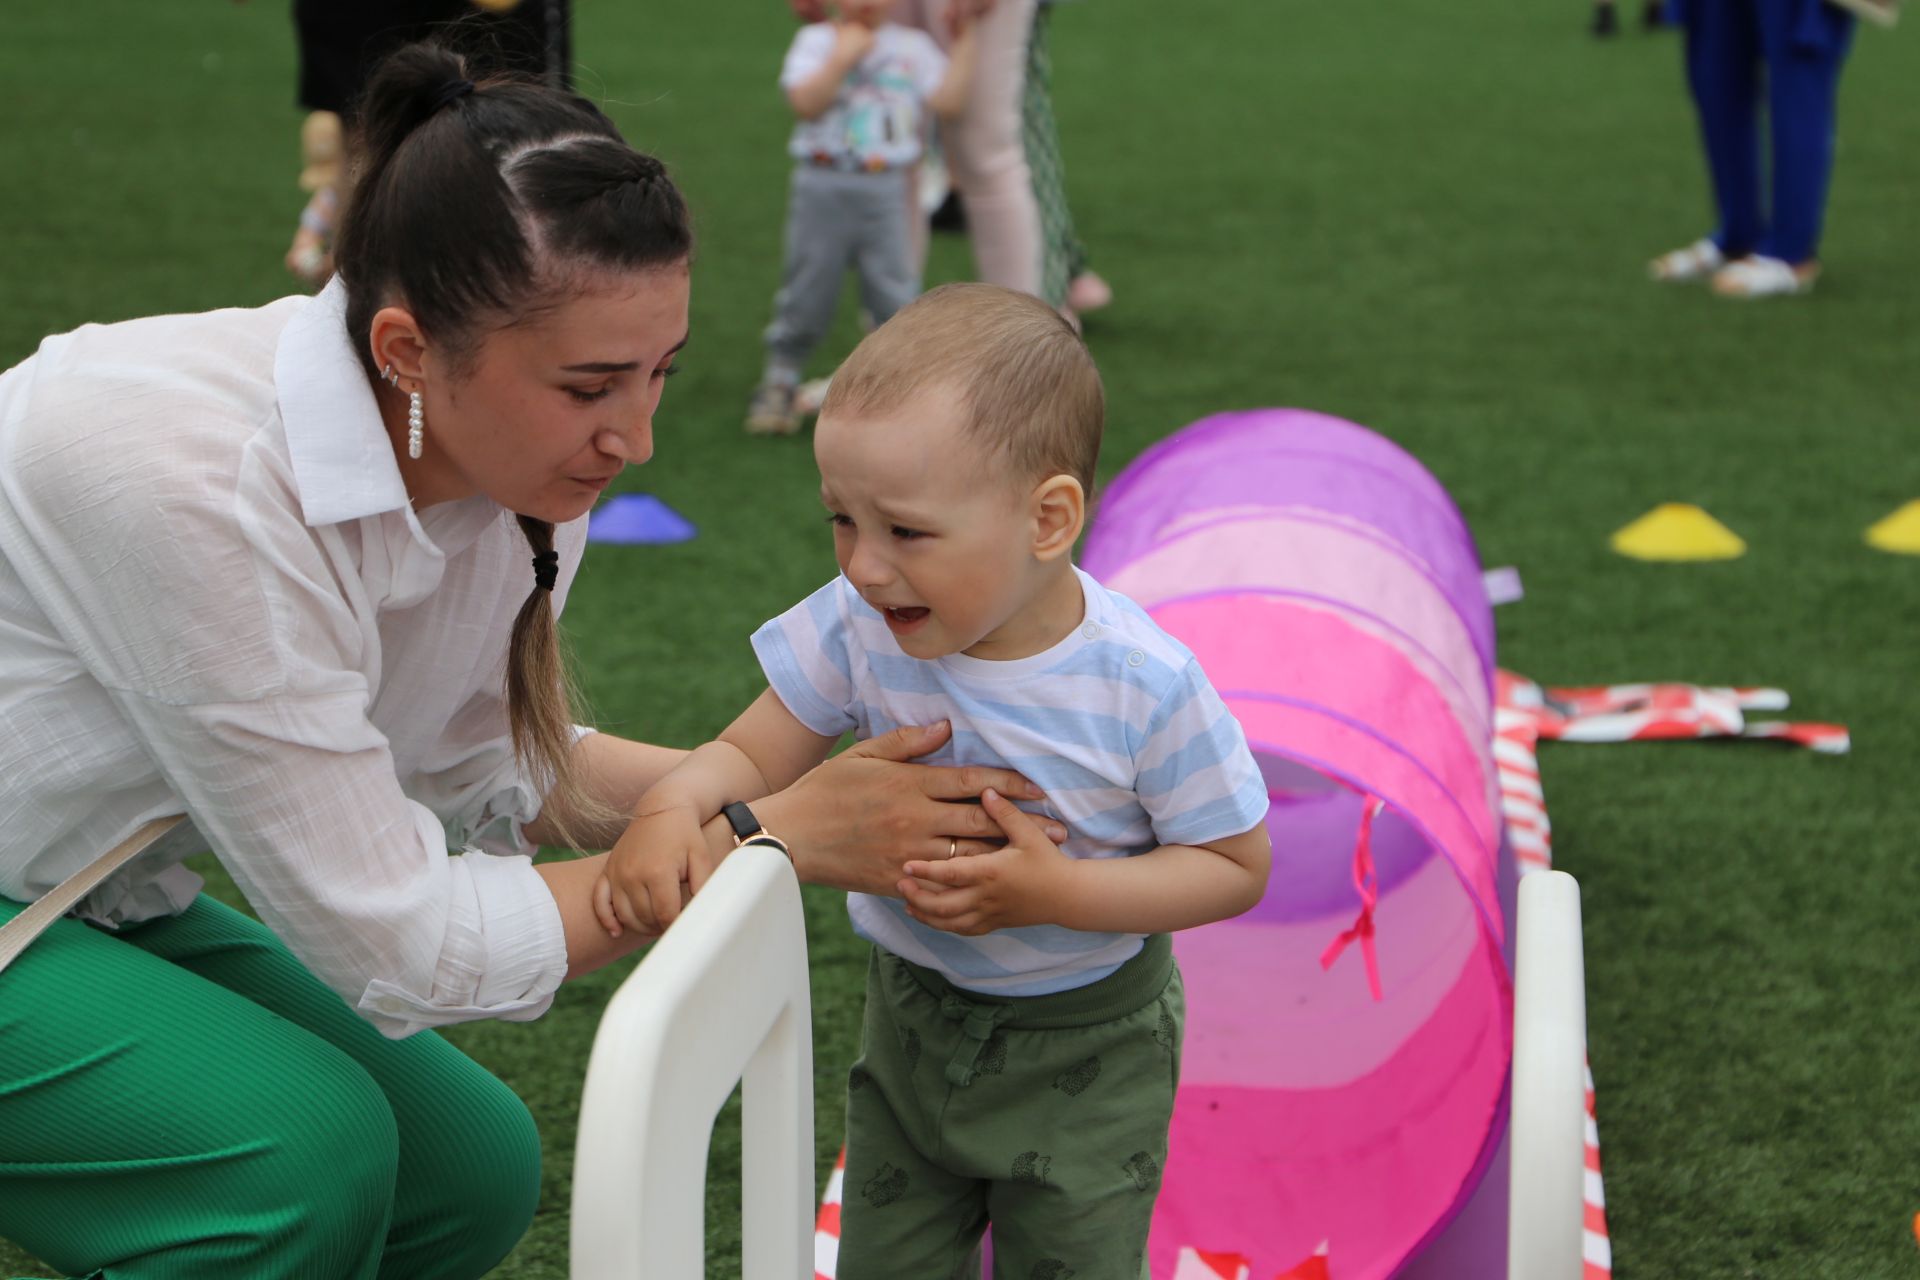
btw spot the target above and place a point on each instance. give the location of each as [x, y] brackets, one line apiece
[1175, 886]
[812, 96]
[763, 751]
[778, 745]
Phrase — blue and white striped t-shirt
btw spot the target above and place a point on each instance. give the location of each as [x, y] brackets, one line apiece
[1116, 723]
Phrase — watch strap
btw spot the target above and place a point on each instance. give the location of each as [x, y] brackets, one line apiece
[741, 819]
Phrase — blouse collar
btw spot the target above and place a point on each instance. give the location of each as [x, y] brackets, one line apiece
[343, 463]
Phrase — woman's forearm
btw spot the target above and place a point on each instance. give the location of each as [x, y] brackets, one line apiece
[571, 883]
[950, 98]
[588, 945]
[615, 772]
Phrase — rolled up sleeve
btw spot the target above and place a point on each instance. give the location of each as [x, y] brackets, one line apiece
[298, 798]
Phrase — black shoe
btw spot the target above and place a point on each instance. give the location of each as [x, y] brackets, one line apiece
[950, 216]
[1605, 21]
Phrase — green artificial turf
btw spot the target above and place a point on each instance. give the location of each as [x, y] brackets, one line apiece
[1430, 218]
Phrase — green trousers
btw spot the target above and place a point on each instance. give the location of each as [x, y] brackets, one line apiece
[1046, 1116]
[184, 1099]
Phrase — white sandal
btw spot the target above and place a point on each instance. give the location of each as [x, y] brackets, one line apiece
[1683, 266]
[1763, 277]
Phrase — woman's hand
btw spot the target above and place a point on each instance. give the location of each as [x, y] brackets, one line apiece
[855, 821]
[1024, 882]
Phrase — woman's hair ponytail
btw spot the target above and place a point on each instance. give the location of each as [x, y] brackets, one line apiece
[540, 695]
[479, 202]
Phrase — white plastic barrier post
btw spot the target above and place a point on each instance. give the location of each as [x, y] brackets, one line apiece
[1547, 1204]
[721, 998]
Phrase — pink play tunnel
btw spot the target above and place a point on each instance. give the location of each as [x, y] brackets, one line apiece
[1344, 1076]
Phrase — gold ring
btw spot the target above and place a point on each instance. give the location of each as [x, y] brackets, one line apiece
[953, 846]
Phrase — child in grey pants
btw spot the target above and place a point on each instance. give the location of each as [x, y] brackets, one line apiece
[861, 87]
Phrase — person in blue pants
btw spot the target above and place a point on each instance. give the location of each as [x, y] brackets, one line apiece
[1790, 52]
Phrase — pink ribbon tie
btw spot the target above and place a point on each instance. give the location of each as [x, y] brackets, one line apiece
[1367, 884]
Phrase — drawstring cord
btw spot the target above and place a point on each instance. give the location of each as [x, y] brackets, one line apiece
[977, 1023]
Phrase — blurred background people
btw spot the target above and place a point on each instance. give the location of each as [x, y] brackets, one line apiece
[1003, 155]
[339, 43]
[1789, 52]
[862, 87]
[1606, 17]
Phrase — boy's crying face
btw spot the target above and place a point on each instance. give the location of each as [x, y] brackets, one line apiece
[933, 533]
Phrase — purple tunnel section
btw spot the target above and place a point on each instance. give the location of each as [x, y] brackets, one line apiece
[1340, 1092]
[1295, 458]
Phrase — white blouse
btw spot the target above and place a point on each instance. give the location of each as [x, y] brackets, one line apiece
[215, 596]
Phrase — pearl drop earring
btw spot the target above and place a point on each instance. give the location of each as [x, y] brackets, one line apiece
[416, 425]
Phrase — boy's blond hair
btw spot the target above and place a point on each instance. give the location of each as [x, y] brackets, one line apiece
[1025, 380]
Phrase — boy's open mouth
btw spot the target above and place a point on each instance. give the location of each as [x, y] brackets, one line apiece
[902, 621]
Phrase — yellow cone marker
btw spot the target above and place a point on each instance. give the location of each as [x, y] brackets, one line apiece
[1899, 532]
[1678, 531]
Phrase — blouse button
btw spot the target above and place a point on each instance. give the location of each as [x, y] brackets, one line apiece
[1090, 630]
[1135, 658]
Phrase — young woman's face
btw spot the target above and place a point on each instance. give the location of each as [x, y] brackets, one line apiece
[549, 411]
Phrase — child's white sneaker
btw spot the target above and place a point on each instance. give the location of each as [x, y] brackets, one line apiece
[1697, 261]
[1763, 277]
[770, 412]
[811, 395]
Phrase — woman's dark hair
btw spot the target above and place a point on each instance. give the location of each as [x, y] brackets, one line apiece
[476, 205]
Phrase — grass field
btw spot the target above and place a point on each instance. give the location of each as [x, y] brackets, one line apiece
[1430, 218]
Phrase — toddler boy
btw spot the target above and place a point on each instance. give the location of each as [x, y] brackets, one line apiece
[1021, 1039]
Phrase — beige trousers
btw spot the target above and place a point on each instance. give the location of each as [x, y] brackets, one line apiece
[985, 149]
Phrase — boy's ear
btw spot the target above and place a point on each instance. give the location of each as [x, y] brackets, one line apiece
[1059, 507]
[397, 342]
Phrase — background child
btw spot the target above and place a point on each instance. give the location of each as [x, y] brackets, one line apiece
[861, 86]
[1022, 1029]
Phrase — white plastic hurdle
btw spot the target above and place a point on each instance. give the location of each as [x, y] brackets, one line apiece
[1547, 1202]
[721, 998]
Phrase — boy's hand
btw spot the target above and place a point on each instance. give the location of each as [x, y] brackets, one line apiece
[642, 887]
[851, 42]
[1019, 884]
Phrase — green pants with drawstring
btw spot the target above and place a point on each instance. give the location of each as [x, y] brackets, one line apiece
[1044, 1115]
[184, 1099]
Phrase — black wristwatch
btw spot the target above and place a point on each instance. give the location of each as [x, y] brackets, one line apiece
[747, 829]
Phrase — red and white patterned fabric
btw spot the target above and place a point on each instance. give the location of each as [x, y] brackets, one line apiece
[826, 1228]
[1517, 733]
[1645, 712]
[1526, 713]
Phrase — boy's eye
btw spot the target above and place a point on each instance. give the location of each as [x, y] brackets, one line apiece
[905, 534]
[839, 521]
[588, 397]
[667, 372]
